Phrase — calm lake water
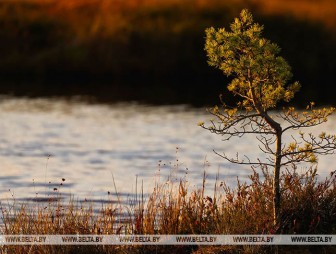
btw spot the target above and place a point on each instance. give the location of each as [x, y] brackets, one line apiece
[89, 145]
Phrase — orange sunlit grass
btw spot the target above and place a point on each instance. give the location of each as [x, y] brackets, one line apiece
[89, 18]
[321, 11]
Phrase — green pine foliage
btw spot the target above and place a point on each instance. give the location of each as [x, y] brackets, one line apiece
[252, 61]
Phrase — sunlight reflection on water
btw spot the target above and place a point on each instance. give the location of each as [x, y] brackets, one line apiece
[45, 140]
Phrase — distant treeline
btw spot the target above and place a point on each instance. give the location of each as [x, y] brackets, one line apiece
[146, 50]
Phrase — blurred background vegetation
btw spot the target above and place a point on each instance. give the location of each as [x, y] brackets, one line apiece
[152, 51]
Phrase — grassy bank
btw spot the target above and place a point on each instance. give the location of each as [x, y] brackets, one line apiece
[309, 207]
[151, 50]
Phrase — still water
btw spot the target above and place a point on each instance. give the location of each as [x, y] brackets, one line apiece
[93, 146]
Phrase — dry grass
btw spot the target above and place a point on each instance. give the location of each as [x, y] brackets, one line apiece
[322, 11]
[309, 207]
[89, 18]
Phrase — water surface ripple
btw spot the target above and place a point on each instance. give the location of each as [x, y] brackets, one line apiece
[45, 140]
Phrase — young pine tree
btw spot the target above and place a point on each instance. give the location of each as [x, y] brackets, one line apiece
[260, 81]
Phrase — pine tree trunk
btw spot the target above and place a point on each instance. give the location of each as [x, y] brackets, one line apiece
[276, 182]
[277, 165]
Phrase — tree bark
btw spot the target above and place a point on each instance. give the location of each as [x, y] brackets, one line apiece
[278, 132]
[276, 181]
[276, 178]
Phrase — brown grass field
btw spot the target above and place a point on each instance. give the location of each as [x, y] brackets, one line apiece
[308, 207]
